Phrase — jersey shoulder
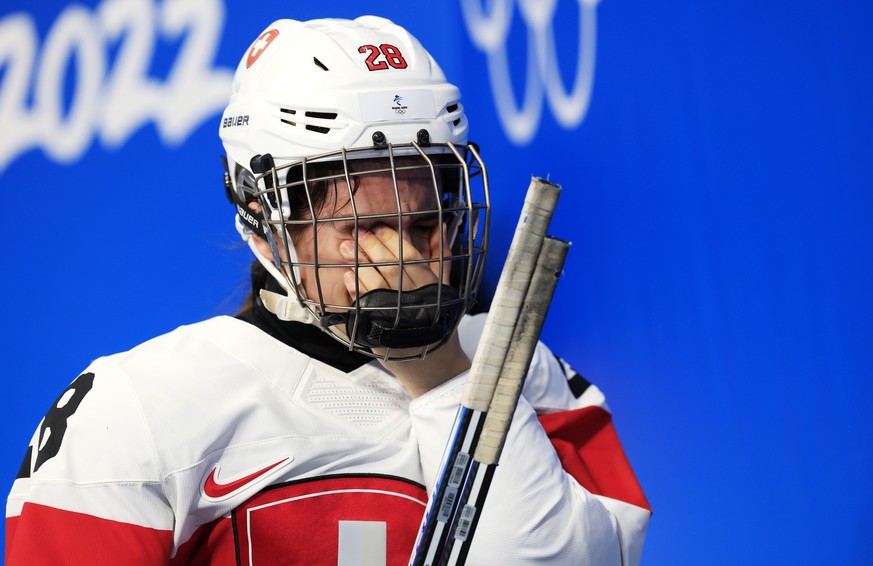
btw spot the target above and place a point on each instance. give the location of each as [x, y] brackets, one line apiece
[552, 383]
[126, 404]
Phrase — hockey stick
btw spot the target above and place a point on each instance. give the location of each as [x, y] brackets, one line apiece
[435, 535]
[505, 399]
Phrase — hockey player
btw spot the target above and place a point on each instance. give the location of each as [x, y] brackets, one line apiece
[308, 429]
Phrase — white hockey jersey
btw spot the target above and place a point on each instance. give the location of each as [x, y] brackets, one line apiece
[218, 444]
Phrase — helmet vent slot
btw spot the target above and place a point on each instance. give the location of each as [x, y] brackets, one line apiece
[288, 111]
[322, 115]
[453, 108]
[309, 114]
[320, 64]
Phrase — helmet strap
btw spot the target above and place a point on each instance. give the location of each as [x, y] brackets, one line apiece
[285, 307]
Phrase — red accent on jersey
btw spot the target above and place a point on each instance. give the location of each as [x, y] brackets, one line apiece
[211, 544]
[301, 522]
[260, 46]
[590, 451]
[55, 536]
[214, 490]
[11, 524]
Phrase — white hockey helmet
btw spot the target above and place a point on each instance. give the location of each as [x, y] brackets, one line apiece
[305, 88]
[334, 91]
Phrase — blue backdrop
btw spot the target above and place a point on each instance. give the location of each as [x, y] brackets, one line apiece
[716, 164]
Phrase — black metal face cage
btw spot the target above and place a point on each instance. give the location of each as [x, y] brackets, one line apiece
[397, 324]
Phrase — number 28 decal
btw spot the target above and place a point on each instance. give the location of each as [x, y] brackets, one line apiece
[392, 57]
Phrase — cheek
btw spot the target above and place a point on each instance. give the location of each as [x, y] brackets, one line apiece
[330, 279]
[303, 240]
[328, 245]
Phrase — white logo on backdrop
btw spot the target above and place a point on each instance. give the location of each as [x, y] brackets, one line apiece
[112, 101]
[489, 31]
[109, 101]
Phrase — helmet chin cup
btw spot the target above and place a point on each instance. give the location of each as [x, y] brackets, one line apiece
[386, 318]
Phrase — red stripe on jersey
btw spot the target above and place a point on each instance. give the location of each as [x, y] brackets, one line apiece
[211, 544]
[590, 451]
[45, 535]
[11, 524]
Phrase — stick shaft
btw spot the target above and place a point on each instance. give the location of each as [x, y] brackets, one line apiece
[499, 417]
[435, 534]
[524, 340]
[539, 205]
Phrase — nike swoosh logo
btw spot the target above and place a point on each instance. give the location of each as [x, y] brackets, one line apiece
[213, 489]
